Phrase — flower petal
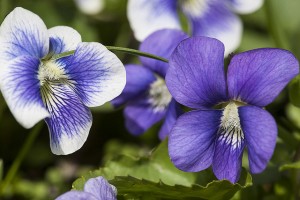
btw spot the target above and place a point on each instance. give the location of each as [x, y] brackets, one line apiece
[98, 74]
[140, 115]
[23, 33]
[258, 76]
[217, 21]
[138, 81]
[70, 120]
[90, 7]
[246, 6]
[192, 139]
[173, 112]
[76, 195]
[168, 40]
[63, 39]
[260, 133]
[227, 159]
[196, 74]
[100, 188]
[21, 90]
[146, 17]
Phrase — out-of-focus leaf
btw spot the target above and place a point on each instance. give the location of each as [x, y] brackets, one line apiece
[155, 176]
[295, 165]
[294, 91]
[253, 40]
[1, 169]
[290, 141]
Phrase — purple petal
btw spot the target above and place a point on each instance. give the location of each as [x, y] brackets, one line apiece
[217, 21]
[260, 132]
[98, 75]
[140, 115]
[173, 112]
[196, 74]
[161, 43]
[100, 188]
[70, 120]
[63, 39]
[192, 139]
[227, 159]
[138, 81]
[146, 17]
[76, 195]
[23, 33]
[21, 90]
[258, 76]
[246, 6]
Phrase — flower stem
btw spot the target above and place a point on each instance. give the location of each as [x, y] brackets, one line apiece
[21, 155]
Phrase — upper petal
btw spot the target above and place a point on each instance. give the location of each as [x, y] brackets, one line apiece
[101, 189]
[90, 7]
[138, 81]
[63, 39]
[69, 122]
[217, 21]
[23, 33]
[98, 75]
[161, 43]
[260, 133]
[258, 76]
[146, 17]
[78, 195]
[21, 90]
[196, 74]
[192, 139]
[246, 6]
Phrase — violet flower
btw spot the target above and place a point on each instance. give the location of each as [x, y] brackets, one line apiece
[94, 189]
[146, 96]
[209, 136]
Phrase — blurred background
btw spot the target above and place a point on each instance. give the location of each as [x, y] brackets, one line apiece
[43, 175]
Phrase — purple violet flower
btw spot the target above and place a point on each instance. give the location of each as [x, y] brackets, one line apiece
[147, 98]
[208, 136]
[211, 18]
[94, 189]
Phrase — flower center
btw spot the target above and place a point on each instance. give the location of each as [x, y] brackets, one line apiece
[50, 71]
[159, 95]
[230, 129]
[193, 8]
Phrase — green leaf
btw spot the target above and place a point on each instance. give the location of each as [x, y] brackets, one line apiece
[1, 169]
[294, 91]
[155, 177]
[295, 165]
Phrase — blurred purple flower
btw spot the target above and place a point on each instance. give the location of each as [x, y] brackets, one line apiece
[211, 18]
[147, 98]
[217, 137]
[94, 189]
[37, 85]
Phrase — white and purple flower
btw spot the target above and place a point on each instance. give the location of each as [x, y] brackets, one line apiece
[147, 98]
[209, 136]
[211, 18]
[94, 189]
[37, 85]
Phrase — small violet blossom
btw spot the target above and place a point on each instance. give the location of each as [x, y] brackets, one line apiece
[147, 98]
[90, 7]
[36, 84]
[94, 189]
[210, 136]
[211, 18]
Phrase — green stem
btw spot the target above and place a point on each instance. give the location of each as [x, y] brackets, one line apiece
[22, 154]
[120, 49]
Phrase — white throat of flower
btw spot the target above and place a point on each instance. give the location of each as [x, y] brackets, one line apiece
[159, 95]
[193, 8]
[50, 71]
[230, 129]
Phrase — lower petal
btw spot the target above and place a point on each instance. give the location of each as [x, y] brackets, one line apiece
[78, 195]
[260, 133]
[70, 120]
[101, 189]
[191, 141]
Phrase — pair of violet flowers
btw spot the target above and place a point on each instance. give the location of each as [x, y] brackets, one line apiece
[39, 82]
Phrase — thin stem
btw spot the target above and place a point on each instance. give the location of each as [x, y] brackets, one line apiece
[21, 155]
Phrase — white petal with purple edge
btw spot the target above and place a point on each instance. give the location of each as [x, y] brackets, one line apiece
[69, 122]
[246, 6]
[63, 38]
[23, 33]
[146, 17]
[21, 90]
[97, 74]
[100, 188]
